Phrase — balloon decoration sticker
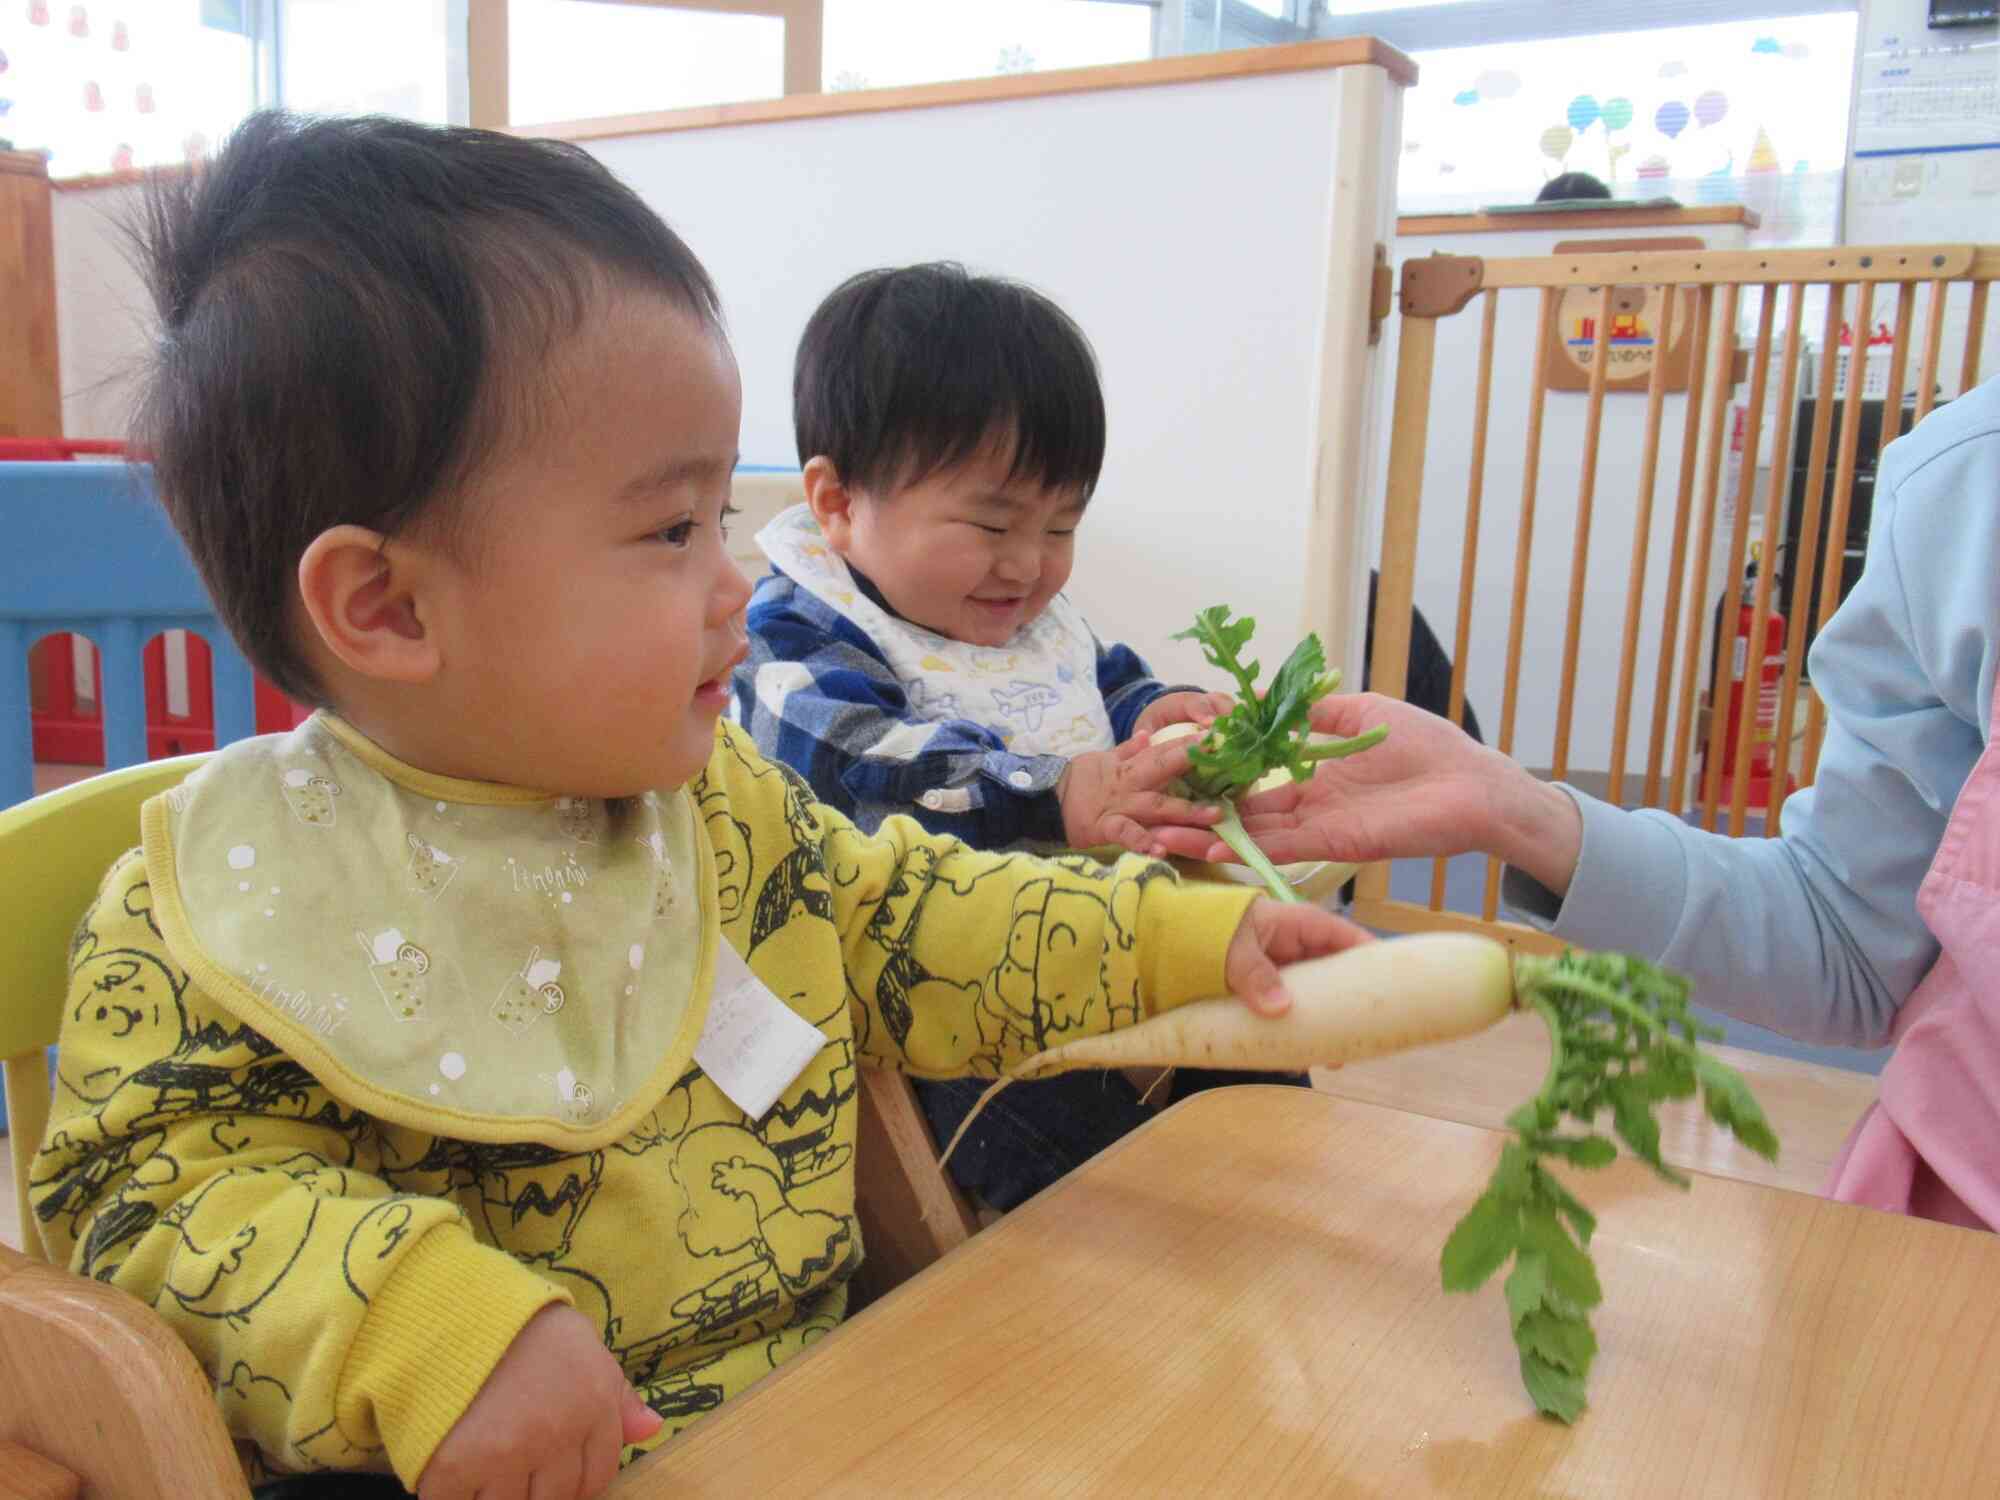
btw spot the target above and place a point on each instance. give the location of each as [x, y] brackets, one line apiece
[1710, 108]
[1556, 141]
[1671, 118]
[1631, 342]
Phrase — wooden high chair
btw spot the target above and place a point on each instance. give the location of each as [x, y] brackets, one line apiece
[98, 1390]
[914, 1213]
[94, 1387]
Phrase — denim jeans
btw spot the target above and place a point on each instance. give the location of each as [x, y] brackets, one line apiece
[331, 1487]
[1033, 1133]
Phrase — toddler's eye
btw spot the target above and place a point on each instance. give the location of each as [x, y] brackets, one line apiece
[680, 534]
[729, 513]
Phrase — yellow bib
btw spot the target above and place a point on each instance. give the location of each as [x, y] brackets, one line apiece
[470, 960]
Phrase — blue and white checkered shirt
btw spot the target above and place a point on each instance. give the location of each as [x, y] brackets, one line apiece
[956, 777]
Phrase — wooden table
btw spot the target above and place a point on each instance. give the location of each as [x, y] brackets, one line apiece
[1241, 1299]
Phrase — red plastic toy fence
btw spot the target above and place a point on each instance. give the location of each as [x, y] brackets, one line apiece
[68, 725]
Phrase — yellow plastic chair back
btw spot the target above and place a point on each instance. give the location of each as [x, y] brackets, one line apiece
[54, 852]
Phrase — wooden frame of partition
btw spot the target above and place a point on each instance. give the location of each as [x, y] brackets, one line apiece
[1853, 280]
[487, 55]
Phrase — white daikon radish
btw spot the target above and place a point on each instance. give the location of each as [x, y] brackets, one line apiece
[1365, 1002]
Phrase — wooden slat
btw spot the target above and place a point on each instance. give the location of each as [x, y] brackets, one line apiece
[912, 1214]
[1736, 559]
[1803, 564]
[1899, 365]
[1719, 392]
[1579, 562]
[1933, 348]
[1836, 528]
[30, 367]
[1975, 338]
[1524, 543]
[1847, 263]
[805, 46]
[1774, 528]
[1468, 563]
[1395, 587]
[1642, 536]
[486, 64]
[1677, 557]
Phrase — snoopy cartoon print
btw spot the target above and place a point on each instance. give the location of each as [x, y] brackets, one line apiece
[738, 1200]
[310, 796]
[401, 972]
[530, 994]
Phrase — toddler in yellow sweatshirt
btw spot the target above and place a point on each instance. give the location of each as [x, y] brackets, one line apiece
[468, 1076]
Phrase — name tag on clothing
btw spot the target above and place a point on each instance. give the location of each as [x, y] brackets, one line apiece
[753, 1045]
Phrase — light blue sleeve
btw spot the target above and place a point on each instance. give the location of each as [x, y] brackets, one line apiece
[1815, 934]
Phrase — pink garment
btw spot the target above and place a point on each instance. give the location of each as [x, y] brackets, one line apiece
[1930, 1144]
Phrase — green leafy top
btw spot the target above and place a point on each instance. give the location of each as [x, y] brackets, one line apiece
[1622, 1039]
[1264, 731]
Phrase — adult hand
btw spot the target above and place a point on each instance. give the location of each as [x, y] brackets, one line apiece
[1428, 789]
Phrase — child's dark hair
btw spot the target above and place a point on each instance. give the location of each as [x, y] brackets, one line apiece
[905, 372]
[337, 300]
[1571, 186]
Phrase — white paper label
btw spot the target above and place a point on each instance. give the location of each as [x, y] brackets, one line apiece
[753, 1045]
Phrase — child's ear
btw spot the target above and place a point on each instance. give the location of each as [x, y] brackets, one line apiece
[832, 504]
[361, 594]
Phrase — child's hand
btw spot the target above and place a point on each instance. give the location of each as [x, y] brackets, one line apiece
[1278, 932]
[1182, 708]
[548, 1424]
[1119, 796]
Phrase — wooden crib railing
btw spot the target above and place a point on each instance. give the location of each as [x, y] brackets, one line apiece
[1710, 293]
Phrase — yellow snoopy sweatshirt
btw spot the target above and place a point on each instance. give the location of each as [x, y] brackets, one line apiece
[361, 1067]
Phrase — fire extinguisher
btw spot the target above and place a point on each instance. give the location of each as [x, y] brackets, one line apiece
[1770, 672]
